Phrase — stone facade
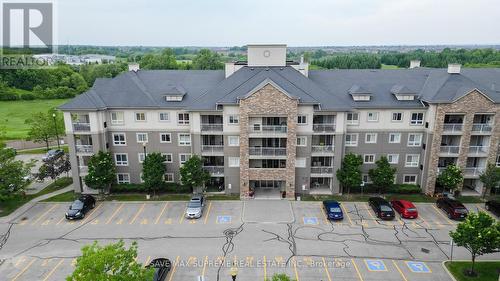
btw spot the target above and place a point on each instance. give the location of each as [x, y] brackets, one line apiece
[268, 101]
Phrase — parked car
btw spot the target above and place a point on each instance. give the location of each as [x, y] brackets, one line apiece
[80, 207]
[333, 210]
[195, 207]
[52, 154]
[381, 207]
[405, 208]
[162, 267]
[493, 206]
[453, 208]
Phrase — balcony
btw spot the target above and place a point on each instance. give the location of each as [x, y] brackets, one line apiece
[267, 151]
[473, 171]
[258, 129]
[452, 128]
[322, 149]
[479, 149]
[482, 128]
[215, 171]
[81, 127]
[321, 171]
[212, 149]
[84, 148]
[449, 149]
[324, 128]
[207, 127]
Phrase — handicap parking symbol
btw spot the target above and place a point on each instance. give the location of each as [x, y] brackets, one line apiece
[418, 267]
[223, 219]
[375, 265]
[310, 220]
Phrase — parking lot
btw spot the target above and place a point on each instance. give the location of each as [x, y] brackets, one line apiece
[262, 237]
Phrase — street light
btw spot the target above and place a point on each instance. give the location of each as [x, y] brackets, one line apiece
[55, 127]
[144, 147]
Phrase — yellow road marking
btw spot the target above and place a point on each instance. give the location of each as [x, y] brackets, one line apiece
[24, 270]
[44, 214]
[265, 268]
[19, 261]
[346, 213]
[295, 269]
[90, 214]
[369, 210]
[161, 213]
[326, 269]
[208, 212]
[204, 266]
[144, 221]
[114, 213]
[323, 212]
[147, 261]
[53, 270]
[357, 270]
[481, 208]
[61, 220]
[441, 213]
[168, 221]
[423, 220]
[173, 269]
[182, 216]
[400, 272]
[138, 213]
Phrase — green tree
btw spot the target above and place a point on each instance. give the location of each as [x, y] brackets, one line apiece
[153, 171]
[383, 175]
[109, 263]
[207, 59]
[102, 171]
[451, 177]
[479, 234]
[42, 127]
[12, 173]
[349, 175]
[490, 178]
[280, 277]
[192, 173]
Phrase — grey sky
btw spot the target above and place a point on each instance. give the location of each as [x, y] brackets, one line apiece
[294, 22]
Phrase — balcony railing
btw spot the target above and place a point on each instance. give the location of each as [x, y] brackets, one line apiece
[322, 148]
[211, 127]
[267, 151]
[450, 149]
[268, 129]
[481, 127]
[212, 148]
[473, 171]
[84, 148]
[321, 170]
[326, 127]
[478, 149]
[81, 127]
[215, 170]
[452, 127]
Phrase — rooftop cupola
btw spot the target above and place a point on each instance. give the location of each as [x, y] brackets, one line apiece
[454, 68]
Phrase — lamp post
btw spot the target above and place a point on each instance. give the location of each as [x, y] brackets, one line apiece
[55, 127]
[144, 147]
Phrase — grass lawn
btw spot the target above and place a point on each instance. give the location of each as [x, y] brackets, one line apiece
[14, 113]
[388, 66]
[487, 271]
[63, 197]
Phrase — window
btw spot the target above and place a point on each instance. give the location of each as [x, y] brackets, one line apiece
[168, 157]
[301, 141]
[140, 116]
[141, 157]
[123, 178]
[411, 179]
[414, 139]
[117, 118]
[234, 119]
[369, 158]
[300, 162]
[121, 159]
[302, 119]
[397, 116]
[361, 97]
[366, 178]
[184, 139]
[173, 98]
[394, 137]
[233, 140]
[169, 177]
[417, 118]
[351, 140]
[164, 116]
[352, 118]
[393, 158]
[184, 157]
[234, 161]
[412, 160]
[119, 139]
[183, 119]
[371, 138]
[165, 138]
[142, 137]
[372, 116]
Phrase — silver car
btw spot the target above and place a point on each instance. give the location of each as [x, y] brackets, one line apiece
[195, 207]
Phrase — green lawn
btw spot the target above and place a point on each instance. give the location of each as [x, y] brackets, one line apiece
[14, 113]
[63, 197]
[388, 66]
[487, 271]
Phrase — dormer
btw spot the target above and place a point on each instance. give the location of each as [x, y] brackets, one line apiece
[401, 92]
[359, 93]
[175, 93]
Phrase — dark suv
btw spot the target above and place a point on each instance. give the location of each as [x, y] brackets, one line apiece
[453, 208]
[381, 207]
[80, 207]
[493, 206]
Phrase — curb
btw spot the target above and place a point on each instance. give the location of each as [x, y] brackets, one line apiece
[447, 271]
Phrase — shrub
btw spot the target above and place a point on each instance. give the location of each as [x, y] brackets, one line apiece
[8, 96]
[405, 189]
[127, 187]
[28, 96]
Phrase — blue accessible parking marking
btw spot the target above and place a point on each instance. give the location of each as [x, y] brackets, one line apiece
[418, 267]
[223, 219]
[310, 220]
[375, 265]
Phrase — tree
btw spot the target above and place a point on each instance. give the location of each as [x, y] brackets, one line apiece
[153, 171]
[451, 177]
[101, 171]
[207, 59]
[192, 173]
[12, 174]
[490, 178]
[54, 167]
[42, 127]
[383, 175]
[281, 277]
[109, 263]
[479, 234]
[349, 175]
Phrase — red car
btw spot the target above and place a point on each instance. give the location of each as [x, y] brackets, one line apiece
[405, 208]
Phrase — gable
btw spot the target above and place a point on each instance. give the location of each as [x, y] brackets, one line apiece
[269, 86]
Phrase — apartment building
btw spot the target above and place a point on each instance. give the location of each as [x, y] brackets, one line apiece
[271, 125]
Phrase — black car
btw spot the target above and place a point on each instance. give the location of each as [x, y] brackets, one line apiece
[80, 207]
[162, 267]
[493, 206]
[381, 207]
[52, 154]
[453, 208]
